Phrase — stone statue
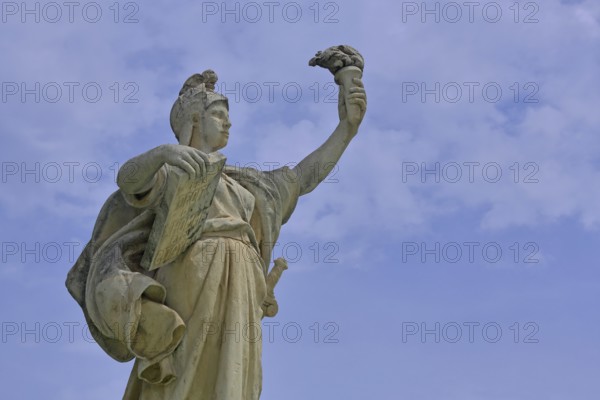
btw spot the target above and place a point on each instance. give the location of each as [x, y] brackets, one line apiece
[176, 274]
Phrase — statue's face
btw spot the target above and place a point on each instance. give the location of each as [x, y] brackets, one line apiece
[215, 129]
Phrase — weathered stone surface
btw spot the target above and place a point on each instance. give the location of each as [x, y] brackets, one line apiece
[179, 257]
[182, 212]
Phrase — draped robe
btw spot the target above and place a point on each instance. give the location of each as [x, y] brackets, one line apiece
[193, 326]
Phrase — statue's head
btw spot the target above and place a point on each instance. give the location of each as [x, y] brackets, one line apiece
[192, 111]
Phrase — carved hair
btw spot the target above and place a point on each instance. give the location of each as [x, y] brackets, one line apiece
[196, 95]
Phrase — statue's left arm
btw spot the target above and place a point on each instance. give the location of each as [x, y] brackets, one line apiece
[317, 165]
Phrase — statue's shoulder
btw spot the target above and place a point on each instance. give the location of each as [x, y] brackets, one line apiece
[273, 181]
[243, 174]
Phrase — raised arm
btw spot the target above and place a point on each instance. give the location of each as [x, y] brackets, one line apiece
[315, 167]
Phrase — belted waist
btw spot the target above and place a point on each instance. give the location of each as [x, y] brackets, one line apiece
[236, 235]
[233, 234]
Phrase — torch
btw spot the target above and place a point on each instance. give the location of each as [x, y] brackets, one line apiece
[344, 62]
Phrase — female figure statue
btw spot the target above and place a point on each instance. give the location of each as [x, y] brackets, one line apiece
[193, 325]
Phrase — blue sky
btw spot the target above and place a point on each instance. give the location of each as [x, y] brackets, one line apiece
[451, 254]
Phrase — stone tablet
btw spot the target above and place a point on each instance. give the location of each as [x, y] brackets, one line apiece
[181, 214]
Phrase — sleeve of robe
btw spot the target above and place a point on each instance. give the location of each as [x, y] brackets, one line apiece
[122, 304]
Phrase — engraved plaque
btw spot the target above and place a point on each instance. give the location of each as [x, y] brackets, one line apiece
[181, 214]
